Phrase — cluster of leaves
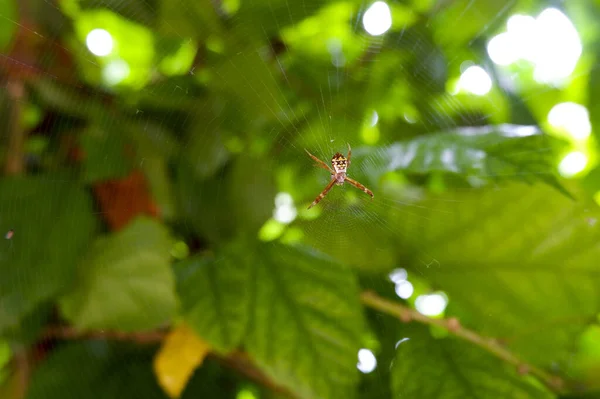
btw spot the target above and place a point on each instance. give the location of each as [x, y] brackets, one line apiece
[140, 206]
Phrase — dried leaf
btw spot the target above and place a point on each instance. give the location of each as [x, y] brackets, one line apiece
[181, 353]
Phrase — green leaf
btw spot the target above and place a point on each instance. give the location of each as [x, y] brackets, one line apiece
[268, 17]
[141, 11]
[105, 155]
[5, 356]
[470, 19]
[205, 153]
[213, 298]
[518, 262]
[202, 204]
[66, 99]
[248, 77]
[8, 10]
[306, 321]
[125, 281]
[593, 92]
[52, 222]
[426, 367]
[252, 191]
[95, 369]
[495, 153]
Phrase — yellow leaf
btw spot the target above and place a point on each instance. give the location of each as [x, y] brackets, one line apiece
[181, 352]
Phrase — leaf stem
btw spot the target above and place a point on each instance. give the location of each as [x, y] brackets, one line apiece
[236, 360]
[452, 325]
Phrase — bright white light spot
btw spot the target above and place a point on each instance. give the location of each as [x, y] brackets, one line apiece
[285, 214]
[377, 19]
[397, 275]
[501, 49]
[404, 289]
[431, 305]
[573, 163]
[374, 118]
[285, 211]
[550, 41]
[573, 118]
[114, 72]
[475, 80]
[558, 46]
[99, 42]
[520, 24]
[283, 199]
[366, 361]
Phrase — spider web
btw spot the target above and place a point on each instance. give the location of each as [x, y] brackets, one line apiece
[346, 217]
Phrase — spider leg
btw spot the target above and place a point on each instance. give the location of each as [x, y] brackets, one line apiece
[323, 193]
[320, 163]
[359, 186]
[349, 153]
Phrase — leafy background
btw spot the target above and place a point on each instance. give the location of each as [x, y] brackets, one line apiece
[154, 203]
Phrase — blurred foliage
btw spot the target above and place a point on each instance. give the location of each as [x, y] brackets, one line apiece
[142, 190]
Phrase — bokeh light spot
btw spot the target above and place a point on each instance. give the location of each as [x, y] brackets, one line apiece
[285, 211]
[377, 19]
[573, 163]
[366, 361]
[404, 289]
[398, 275]
[475, 80]
[432, 304]
[115, 72]
[549, 41]
[558, 46]
[573, 118]
[501, 49]
[99, 42]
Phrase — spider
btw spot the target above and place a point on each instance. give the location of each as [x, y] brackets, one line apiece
[338, 174]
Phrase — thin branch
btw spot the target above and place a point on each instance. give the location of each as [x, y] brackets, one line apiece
[146, 337]
[452, 325]
[237, 361]
[240, 362]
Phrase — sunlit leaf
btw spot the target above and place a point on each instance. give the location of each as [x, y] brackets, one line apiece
[214, 297]
[456, 23]
[142, 11]
[125, 281]
[519, 262]
[306, 322]
[426, 367]
[504, 152]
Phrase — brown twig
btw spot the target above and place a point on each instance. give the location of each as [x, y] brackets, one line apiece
[452, 325]
[70, 333]
[240, 362]
[237, 361]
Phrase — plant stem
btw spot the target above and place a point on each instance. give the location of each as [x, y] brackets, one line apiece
[236, 360]
[404, 313]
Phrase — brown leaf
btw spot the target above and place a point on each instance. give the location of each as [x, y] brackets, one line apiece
[121, 200]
